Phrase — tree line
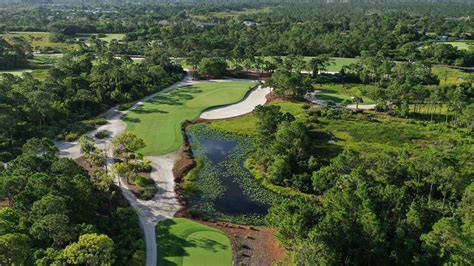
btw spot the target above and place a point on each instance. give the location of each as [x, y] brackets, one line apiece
[401, 31]
[80, 87]
[56, 214]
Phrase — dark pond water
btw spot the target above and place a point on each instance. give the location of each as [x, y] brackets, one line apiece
[234, 201]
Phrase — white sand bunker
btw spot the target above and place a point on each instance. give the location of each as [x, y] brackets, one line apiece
[254, 98]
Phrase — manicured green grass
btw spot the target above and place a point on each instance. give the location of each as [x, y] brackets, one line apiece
[159, 121]
[340, 92]
[39, 73]
[107, 38]
[112, 36]
[461, 45]
[47, 59]
[41, 41]
[338, 62]
[183, 242]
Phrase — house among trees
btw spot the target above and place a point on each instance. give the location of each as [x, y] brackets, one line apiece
[442, 38]
[249, 22]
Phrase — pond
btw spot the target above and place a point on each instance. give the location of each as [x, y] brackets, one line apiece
[226, 189]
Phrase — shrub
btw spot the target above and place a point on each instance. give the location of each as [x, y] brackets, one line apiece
[142, 166]
[124, 106]
[96, 121]
[306, 106]
[102, 134]
[72, 136]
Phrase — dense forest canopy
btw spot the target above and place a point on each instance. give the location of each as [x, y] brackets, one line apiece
[399, 32]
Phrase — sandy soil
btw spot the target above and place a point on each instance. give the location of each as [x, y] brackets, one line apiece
[312, 98]
[254, 98]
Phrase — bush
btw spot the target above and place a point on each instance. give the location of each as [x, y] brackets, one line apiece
[72, 136]
[124, 106]
[148, 192]
[306, 106]
[102, 134]
[99, 121]
[213, 67]
[142, 166]
[315, 112]
[147, 187]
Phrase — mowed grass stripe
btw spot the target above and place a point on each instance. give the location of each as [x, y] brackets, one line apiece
[183, 242]
[159, 121]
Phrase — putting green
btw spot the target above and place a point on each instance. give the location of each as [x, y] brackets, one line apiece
[159, 121]
[184, 242]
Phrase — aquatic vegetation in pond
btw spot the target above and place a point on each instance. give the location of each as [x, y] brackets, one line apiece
[225, 189]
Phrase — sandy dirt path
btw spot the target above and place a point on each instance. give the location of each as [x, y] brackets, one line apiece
[311, 97]
[254, 98]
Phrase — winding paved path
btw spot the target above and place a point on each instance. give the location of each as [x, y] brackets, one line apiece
[164, 204]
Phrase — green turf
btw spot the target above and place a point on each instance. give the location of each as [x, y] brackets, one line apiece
[38, 73]
[461, 45]
[16, 72]
[41, 41]
[338, 62]
[159, 121]
[47, 59]
[112, 36]
[107, 38]
[338, 92]
[183, 242]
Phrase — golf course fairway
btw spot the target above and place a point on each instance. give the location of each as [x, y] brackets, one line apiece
[184, 242]
[159, 121]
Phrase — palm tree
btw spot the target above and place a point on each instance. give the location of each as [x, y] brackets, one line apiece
[318, 63]
[357, 100]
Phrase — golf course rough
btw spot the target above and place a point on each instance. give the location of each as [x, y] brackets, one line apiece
[183, 242]
[159, 121]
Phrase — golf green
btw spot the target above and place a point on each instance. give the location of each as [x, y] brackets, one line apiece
[184, 242]
[159, 121]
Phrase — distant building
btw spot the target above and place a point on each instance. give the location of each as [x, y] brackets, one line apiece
[203, 24]
[164, 22]
[442, 37]
[249, 23]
